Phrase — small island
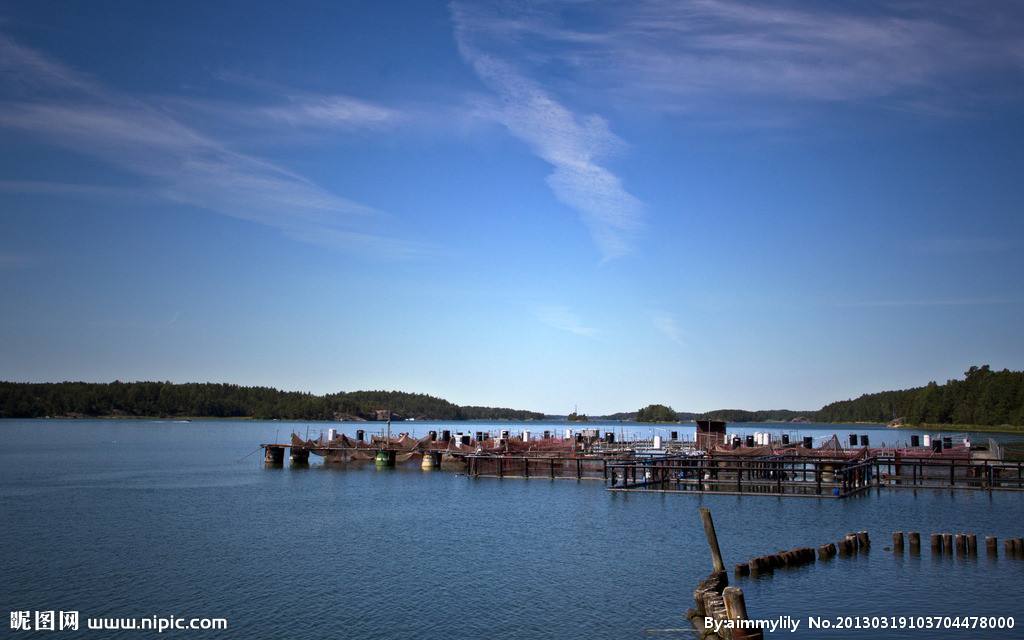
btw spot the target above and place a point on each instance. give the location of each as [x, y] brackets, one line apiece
[657, 413]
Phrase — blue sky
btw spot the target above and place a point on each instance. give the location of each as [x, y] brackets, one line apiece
[707, 204]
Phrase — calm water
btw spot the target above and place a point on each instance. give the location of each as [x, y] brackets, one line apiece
[126, 518]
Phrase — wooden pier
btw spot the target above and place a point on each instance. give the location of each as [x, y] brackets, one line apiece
[821, 476]
[770, 469]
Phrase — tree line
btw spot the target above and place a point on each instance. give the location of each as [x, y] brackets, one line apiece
[983, 397]
[169, 400]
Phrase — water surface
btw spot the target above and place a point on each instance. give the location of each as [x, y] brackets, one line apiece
[137, 518]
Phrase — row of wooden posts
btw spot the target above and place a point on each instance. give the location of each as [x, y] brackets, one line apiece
[851, 544]
[965, 544]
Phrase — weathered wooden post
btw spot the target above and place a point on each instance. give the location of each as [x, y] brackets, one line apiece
[992, 545]
[847, 547]
[863, 540]
[709, 532]
[897, 541]
[915, 542]
[936, 543]
[972, 544]
[736, 610]
[1008, 547]
[947, 543]
[961, 544]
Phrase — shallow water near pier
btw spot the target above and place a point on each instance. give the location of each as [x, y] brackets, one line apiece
[140, 518]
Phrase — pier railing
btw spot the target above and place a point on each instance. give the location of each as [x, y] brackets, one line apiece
[769, 475]
[506, 466]
[902, 472]
[823, 477]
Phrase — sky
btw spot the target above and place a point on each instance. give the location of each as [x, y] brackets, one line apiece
[709, 204]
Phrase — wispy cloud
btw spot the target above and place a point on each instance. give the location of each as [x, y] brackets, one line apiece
[335, 111]
[76, 190]
[666, 324]
[572, 144]
[26, 68]
[694, 56]
[179, 162]
[564, 319]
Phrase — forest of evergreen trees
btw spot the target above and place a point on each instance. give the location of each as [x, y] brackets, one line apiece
[164, 399]
[765, 415]
[983, 397]
[657, 413]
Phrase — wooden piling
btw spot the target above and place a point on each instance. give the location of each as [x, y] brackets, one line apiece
[897, 541]
[1008, 547]
[936, 539]
[972, 544]
[915, 542]
[854, 542]
[274, 455]
[742, 569]
[709, 532]
[762, 564]
[961, 544]
[735, 606]
[992, 545]
[736, 609]
[947, 543]
[863, 540]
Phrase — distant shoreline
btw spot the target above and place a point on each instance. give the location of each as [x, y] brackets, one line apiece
[1002, 428]
[919, 427]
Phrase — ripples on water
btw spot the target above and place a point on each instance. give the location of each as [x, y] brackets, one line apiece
[138, 519]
